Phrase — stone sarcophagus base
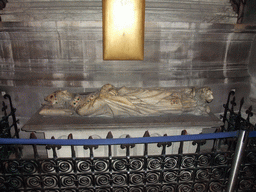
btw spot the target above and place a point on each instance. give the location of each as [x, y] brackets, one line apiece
[98, 127]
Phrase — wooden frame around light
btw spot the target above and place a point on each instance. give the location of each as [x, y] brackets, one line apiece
[123, 29]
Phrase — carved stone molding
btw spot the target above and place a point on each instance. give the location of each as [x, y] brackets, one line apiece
[238, 7]
[207, 11]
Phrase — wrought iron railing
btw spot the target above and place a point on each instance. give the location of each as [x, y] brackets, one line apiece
[8, 123]
[223, 161]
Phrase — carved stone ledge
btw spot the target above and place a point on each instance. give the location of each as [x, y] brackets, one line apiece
[41, 123]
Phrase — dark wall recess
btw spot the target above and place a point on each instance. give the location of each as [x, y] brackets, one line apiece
[238, 7]
[3, 4]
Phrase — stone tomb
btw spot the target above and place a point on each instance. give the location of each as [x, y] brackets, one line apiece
[98, 127]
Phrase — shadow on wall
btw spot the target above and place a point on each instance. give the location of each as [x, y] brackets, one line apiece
[252, 72]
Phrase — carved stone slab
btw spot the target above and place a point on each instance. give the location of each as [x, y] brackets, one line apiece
[43, 123]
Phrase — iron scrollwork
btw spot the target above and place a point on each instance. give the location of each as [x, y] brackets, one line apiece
[184, 172]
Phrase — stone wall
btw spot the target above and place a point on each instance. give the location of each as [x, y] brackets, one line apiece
[51, 45]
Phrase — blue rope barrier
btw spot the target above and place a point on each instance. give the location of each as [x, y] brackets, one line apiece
[252, 134]
[140, 140]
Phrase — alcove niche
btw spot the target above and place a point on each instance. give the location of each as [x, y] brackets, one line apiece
[57, 45]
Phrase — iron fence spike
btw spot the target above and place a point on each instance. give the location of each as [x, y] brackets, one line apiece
[146, 134]
[109, 135]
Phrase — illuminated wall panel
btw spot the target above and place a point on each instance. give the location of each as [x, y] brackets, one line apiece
[123, 29]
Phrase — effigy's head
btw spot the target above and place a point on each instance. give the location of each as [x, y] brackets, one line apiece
[206, 94]
[59, 97]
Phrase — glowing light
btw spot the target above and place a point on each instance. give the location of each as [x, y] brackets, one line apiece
[123, 15]
[123, 29]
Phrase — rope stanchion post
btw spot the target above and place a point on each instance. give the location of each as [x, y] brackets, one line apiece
[239, 151]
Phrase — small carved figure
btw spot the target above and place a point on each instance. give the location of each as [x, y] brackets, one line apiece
[111, 101]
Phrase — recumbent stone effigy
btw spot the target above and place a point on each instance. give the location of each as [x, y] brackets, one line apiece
[110, 101]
